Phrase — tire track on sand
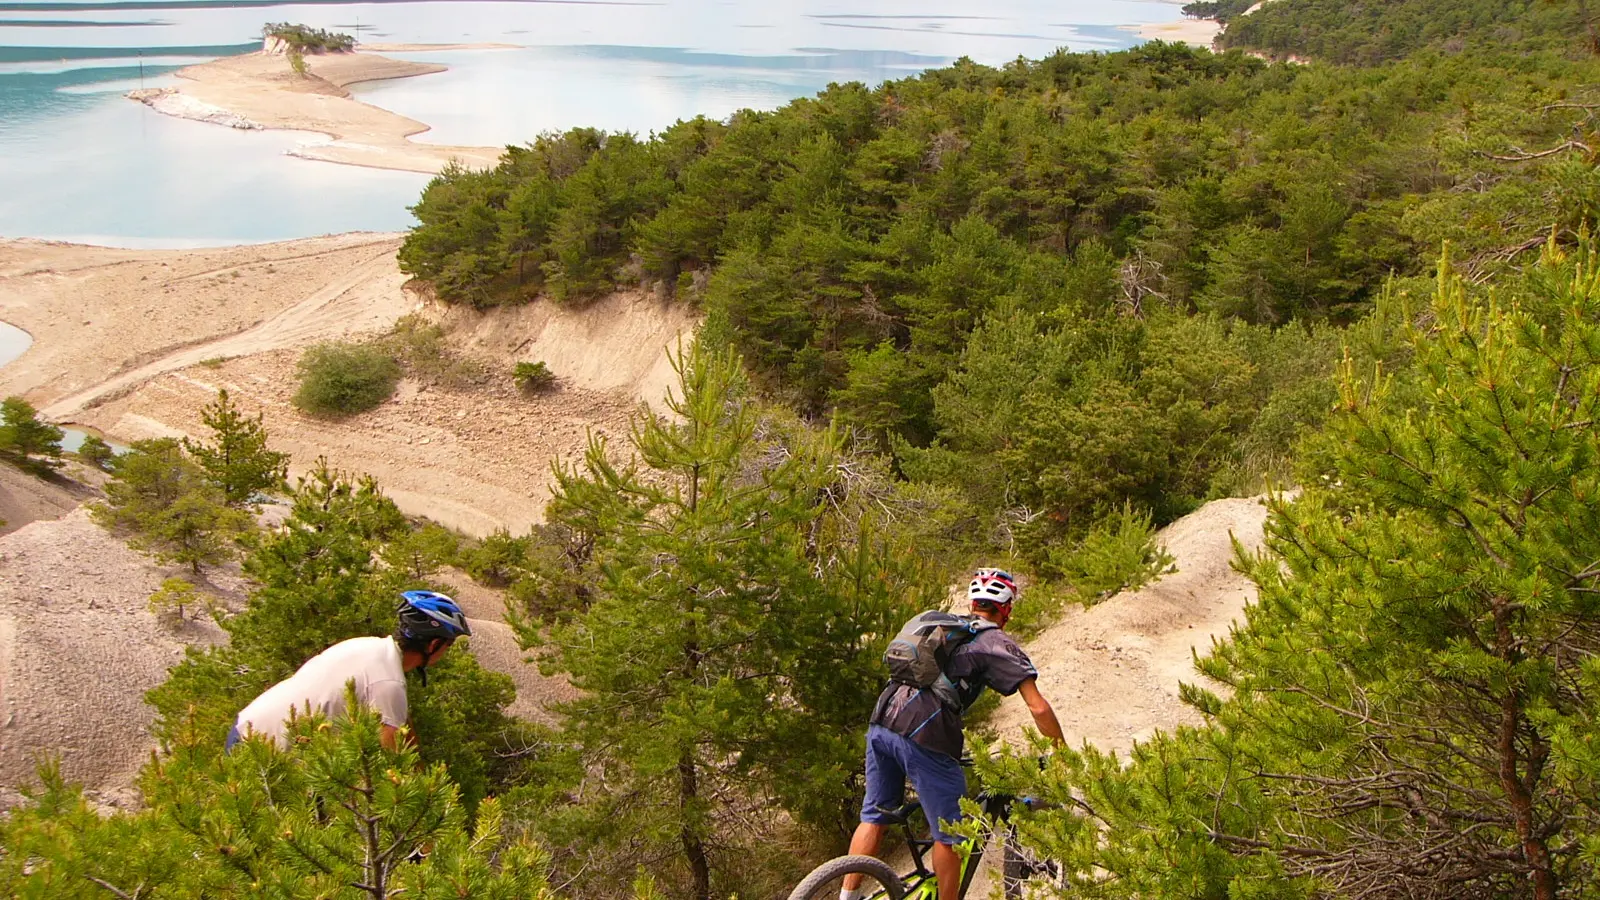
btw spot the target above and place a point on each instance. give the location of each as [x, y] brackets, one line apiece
[370, 297]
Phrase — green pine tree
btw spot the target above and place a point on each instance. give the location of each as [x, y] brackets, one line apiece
[1413, 697]
[723, 656]
[25, 440]
[163, 500]
[237, 460]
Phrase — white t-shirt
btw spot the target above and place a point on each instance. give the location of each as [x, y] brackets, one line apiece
[373, 663]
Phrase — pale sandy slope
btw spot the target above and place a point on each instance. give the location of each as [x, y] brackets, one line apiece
[78, 649]
[95, 312]
[1112, 671]
[136, 342]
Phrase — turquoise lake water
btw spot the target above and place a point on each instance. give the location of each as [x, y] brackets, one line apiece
[79, 162]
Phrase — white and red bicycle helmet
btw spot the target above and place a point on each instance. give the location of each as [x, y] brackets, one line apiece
[992, 587]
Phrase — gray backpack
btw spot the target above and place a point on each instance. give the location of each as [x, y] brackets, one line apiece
[919, 654]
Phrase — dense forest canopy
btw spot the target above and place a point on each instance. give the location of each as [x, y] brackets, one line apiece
[988, 271]
[1369, 32]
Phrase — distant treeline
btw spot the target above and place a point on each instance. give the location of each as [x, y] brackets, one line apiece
[307, 39]
[1368, 32]
[1221, 10]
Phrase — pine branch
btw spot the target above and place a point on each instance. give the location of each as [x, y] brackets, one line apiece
[114, 889]
[1521, 155]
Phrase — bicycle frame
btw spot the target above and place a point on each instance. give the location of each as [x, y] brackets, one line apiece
[921, 884]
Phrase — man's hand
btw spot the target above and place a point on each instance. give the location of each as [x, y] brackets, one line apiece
[1043, 715]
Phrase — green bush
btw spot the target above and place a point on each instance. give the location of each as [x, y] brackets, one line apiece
[1120, 553]
[533, 376]
[344, 379]
[497, 560]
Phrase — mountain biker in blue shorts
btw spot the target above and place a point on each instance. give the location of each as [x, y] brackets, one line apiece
[915, 735]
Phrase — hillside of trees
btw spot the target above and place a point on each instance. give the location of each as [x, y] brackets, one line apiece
[1022, 315]
[988, 273]
[1369, 32]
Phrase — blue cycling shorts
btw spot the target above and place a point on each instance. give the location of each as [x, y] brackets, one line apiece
[940, 783]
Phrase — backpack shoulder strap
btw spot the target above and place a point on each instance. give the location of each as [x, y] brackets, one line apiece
[978, 624]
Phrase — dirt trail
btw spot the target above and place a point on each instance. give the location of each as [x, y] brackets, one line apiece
[1112, 671]
[95, 312]
[368, 298]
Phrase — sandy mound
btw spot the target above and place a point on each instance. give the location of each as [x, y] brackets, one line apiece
[25, 499]
[78, 649]
[475, 458]
[1112, 671]
[615, 343]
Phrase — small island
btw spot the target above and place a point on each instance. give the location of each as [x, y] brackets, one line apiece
[256, 91]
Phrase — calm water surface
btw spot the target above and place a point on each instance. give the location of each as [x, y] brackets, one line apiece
[79, 162]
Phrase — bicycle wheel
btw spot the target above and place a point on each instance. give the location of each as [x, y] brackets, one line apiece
[824, 882]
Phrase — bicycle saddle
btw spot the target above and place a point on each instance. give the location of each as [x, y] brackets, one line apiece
[899, 815]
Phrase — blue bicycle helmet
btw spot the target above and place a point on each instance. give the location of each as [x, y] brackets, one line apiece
[425, 615]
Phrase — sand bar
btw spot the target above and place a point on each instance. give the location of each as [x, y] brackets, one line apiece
[1195, 32]
[260, 90]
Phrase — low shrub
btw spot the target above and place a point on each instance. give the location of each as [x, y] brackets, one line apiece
[344, 379]
[421, 347]
[497, 560]
[533, 376]
[178, 599]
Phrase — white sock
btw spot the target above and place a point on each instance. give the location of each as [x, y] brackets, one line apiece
[849, 894]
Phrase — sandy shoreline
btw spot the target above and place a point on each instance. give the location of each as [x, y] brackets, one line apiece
[1195, 32]
[260, 90]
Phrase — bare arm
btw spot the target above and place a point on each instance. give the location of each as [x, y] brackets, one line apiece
[1043, 715]
[389, 735]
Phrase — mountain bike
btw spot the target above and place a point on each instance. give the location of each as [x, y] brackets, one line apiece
[882, 883]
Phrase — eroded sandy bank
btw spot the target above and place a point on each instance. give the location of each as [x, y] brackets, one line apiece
[135, 342]
[261, 90]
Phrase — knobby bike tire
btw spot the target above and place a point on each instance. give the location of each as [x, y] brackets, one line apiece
[834, 869]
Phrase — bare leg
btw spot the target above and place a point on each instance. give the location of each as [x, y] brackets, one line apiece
[947, 865]
[863, 843]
